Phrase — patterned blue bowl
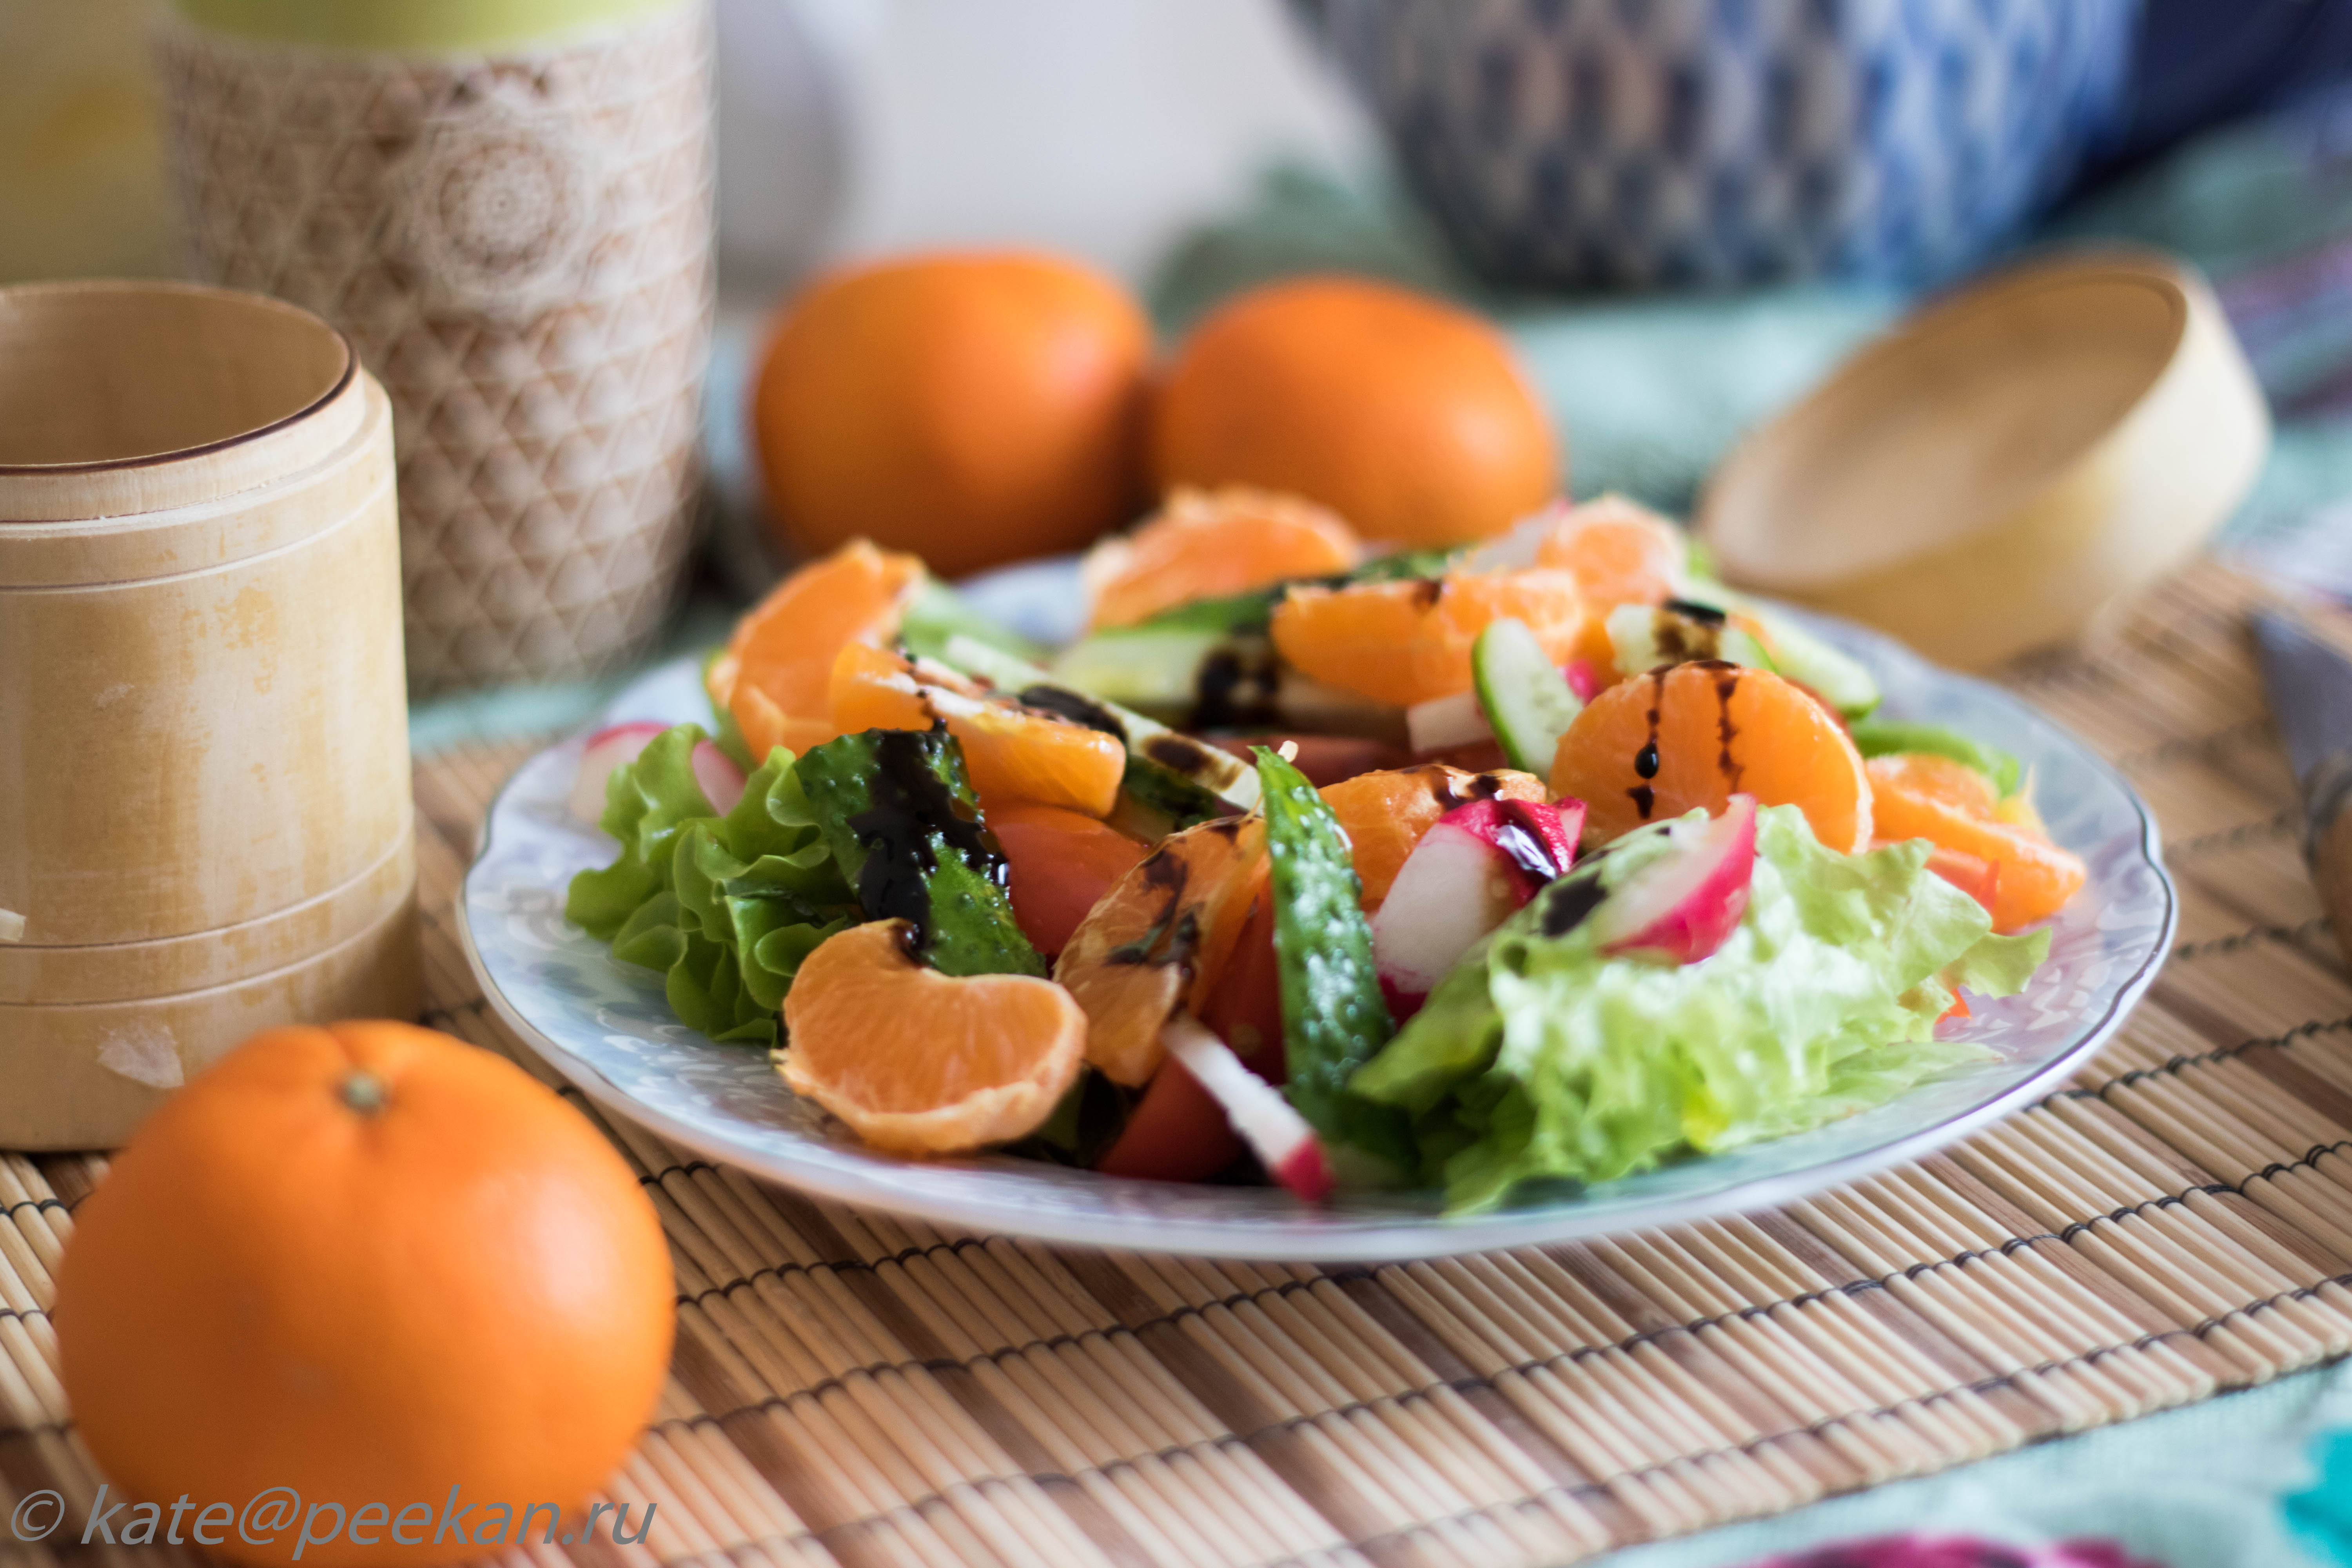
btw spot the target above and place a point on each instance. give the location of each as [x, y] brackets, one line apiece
[1646, 143]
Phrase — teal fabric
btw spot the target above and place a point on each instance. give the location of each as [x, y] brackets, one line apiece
[2201, 1487]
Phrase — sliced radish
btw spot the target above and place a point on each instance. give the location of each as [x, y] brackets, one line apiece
[1477, 864]
[1584, 678]
[608, 750]
[721, 780]
[1443, 723]
[1276, 1132]
[1680, 908]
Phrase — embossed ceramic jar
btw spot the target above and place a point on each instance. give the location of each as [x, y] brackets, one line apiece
[205, 817]
[507, 205]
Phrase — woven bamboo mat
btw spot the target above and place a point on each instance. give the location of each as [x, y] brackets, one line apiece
[850, 1388]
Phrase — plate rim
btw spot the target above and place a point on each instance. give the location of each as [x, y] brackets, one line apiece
[1296, 1238]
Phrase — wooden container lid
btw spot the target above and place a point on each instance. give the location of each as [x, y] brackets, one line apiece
[1987, 477]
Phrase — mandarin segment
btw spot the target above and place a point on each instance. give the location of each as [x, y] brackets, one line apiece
[1160, 941]
[1385, 813]
[1619, 553]
[1209, 544]
[1691, 735]
[1011, 752]
[1952, 806]
[1407, 642]
[775, 678]
[916, 1062]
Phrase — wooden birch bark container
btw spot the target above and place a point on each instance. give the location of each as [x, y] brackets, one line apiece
[206, 826]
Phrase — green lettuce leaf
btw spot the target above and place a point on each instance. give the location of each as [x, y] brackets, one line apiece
[725, 907]
[1538, 1059]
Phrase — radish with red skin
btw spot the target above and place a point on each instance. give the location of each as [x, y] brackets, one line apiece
[1679, 909]
[1176, 1131]
[611, 749]
[722, 779]
[1474, 865]
[608, 750]
[1284, 1144]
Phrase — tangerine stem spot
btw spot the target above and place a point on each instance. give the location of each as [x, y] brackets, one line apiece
[363, 1092]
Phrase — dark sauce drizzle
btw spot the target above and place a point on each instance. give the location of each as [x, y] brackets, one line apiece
[912, 812]
[1518, 839]
[1727, 682]
[1645, 760]
[1567, 903]
[1706, 614]
[1235, 689]
[1065, 704]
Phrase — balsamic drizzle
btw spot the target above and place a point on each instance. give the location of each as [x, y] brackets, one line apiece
[1645, 760]
[911, 811]
[1062, 702]
[1567, 903]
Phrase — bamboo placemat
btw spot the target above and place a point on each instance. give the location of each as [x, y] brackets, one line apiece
[855, 1389]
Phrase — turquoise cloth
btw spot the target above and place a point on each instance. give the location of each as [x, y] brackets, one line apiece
[2203, 1487]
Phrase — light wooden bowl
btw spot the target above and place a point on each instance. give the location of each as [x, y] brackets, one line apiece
[1989, 476]
[204, 812]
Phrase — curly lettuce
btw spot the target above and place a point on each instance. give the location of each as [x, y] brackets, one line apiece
[1539, 1059]
[725, 907]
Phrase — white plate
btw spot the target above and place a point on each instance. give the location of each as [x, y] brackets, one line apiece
[605, 1026]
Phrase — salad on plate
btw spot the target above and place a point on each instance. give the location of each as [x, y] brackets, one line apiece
[1492, 871]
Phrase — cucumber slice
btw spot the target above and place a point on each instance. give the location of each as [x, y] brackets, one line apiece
[1152, 668]
[1220, 772]
[938, 613]
[1644, 636]
[1836, 676]
[1811, 661]
[1334, 1018]
[1525, 697]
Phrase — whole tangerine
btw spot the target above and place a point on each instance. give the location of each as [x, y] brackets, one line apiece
[971, 409]
[369, 1263]
[1404, 414]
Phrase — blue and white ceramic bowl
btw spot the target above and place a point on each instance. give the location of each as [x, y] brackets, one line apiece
[1647, 143]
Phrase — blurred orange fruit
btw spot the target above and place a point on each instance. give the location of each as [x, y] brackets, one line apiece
[1691, 735]
[1406, 642]
[1404, 414]
[918, 1062]
[1010, 753]
[973, 408]
[1206, 544]
[369, 1263]
[1954, 806]
[776, 677]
